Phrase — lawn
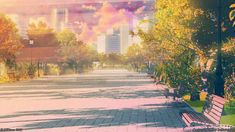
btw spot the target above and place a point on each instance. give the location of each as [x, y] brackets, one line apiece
[229, 111]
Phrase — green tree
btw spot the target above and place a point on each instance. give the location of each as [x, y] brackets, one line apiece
[77, 54]
[135, 56]
[183, 27]
[172, 45]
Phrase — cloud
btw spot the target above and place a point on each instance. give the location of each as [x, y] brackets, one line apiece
[86, 35]
[108, 17]
[140, 10]
[89, 7]
[46, 2]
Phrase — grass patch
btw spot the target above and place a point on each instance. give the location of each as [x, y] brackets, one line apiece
[229, 111]
[196, 105]
[228, 119]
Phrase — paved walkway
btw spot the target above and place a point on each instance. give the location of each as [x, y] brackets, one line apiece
[102, 101]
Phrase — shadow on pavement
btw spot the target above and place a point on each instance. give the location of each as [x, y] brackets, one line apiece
[113, 93]
[158, 116]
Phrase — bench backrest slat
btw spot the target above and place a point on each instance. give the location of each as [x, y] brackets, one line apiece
[213, 108]
[218, 99]
[217, 108]
[217, 104]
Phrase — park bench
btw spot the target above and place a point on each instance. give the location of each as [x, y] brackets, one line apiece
[210, 116]
[173, 92]
[170, 92]
[13, 76]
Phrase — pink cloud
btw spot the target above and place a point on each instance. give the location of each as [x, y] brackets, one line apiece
[89, 7]
[108, 17]
[140, 10]
[87, 35]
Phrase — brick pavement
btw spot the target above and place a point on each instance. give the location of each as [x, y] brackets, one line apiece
[103, 101]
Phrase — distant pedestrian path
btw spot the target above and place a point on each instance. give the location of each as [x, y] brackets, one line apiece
[101, 101]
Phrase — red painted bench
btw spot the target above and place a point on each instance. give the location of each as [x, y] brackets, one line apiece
[210, 116]
[13, 76]
[171, 92]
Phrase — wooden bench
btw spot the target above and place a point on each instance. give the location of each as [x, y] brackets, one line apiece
[210, 116]
[171, 92]
[13, 76]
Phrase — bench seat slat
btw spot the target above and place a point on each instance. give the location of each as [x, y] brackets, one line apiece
[197, 118]
[188, 118]
[212, 116]
[186, 121]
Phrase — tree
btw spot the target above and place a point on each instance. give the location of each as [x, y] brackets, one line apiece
[135, 56]
[189, 26]
[172, 45]
[42, 34]
[77, 54]
[9, 40]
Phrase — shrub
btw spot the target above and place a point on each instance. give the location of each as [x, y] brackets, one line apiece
[23, 71]
[52, 69]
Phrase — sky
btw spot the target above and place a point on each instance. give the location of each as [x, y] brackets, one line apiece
[92, 17]
[47, 2]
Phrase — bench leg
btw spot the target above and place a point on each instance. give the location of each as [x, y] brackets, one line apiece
[166, 96]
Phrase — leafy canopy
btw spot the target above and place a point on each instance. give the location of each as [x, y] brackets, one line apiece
[9, 38]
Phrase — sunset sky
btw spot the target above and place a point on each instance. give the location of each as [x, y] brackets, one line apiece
[37, 2]
[90, 17]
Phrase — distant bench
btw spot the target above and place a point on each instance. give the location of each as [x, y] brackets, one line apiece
[173, 92]
[170, 92]
[13, 76]
[210, 116]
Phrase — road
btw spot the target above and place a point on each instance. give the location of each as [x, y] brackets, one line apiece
[104, 100]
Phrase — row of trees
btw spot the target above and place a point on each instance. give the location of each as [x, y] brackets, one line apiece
[183, 44]
[73, 53]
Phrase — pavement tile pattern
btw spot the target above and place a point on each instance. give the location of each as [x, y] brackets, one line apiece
[101, 101]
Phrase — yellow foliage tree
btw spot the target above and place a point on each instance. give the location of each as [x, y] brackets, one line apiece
[9, 39]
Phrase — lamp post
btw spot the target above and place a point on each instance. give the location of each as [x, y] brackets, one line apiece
[31, 42]
[219, 82]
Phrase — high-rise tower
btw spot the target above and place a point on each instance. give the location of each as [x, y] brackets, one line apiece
[59, 18]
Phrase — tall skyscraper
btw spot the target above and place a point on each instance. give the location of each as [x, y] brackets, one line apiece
[124, 38]
[59, 18]
[113, 43]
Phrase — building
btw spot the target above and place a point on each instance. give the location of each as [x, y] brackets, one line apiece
[113, 43]
[59, 18]
[35, 54]
[124, 38]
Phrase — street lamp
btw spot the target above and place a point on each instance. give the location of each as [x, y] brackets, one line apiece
[31, 42]
[219, 82]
